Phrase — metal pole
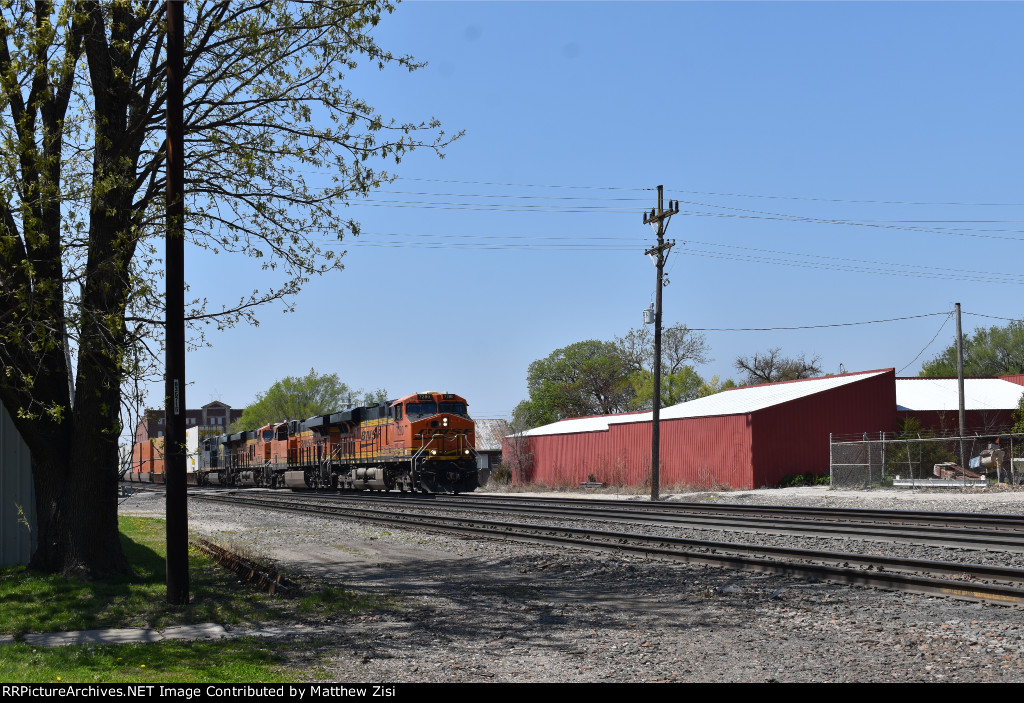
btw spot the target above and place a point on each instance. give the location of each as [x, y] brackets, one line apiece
[174, 442]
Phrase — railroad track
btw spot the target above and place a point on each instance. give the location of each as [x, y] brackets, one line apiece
[978, 582]
[1003, 533]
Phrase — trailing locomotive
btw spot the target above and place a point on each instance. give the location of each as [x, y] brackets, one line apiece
[421, 442]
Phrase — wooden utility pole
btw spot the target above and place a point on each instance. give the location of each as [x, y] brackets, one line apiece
[960, 386]
[659, 220]
[174, 389]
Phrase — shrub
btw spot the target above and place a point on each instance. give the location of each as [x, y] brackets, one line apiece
[502, 475]
[805, 479]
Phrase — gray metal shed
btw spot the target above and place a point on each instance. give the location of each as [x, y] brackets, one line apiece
[17, 496]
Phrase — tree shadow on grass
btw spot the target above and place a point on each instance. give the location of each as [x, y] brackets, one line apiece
[35, 602]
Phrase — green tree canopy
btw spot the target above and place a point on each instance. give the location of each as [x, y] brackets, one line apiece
[586, 378]
[991, 351]
[297, 398]
[82, 187]
[1018, 415]
[599, 378]
[676, 387]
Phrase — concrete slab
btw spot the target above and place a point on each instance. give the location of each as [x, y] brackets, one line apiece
[125, 636]
[202, 631]
[205, 631]
[282, 632]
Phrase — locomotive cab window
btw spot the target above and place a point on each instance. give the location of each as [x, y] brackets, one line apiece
[421, 409]
[398, 412]
[453, 408]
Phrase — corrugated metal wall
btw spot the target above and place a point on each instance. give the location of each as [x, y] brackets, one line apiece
[947, 422]
[17, 496]
[793, 438]
[561, 460]
[703, 451]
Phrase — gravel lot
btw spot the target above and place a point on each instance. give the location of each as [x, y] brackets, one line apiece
[477, 610]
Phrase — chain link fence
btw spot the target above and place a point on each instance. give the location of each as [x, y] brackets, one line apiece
[883, 459]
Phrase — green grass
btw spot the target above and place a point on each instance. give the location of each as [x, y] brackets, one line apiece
[31, 602]
[336, 602]
[45, 603]
[242, 660]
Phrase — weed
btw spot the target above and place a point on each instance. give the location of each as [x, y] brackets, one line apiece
[501, 476]
[805, 479]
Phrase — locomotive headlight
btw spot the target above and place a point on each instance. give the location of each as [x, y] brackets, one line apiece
[445, 422]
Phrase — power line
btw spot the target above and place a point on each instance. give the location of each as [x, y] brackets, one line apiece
[813, 327]
[990, 277]
[608, 243]
[717, 194]
[941, 327]
[994, 317]
[943, 270]
[506, 195]
[739, 214]
[761, 196]
[523, 185]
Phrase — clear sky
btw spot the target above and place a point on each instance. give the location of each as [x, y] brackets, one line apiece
[834, 162]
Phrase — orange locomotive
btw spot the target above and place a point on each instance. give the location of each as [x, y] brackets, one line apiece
[419, 442]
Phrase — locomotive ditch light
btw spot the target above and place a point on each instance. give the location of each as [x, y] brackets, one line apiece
[466, 452]
[433, 452]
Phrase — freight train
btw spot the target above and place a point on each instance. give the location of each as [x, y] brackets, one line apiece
[420, 442]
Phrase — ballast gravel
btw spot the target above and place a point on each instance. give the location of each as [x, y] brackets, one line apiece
[474, 610]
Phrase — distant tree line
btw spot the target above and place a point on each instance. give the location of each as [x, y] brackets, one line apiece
[596, 377]
[990, 351]
[600, 378]
[300, 397]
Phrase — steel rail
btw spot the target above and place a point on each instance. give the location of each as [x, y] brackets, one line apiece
[875, 528]
[958, 519]
[991, 584]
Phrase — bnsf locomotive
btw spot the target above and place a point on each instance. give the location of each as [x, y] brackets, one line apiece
[422, 442]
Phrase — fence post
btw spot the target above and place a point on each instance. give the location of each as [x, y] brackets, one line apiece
[881, 469]
[831, 476]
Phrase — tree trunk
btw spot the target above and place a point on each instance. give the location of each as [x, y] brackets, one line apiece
[76, 506]
[78, 534]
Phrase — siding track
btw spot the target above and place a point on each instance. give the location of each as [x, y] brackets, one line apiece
[987, 583]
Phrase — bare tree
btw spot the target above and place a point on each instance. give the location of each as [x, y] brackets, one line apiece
[517, 454]
[679, 346]
[771, 366]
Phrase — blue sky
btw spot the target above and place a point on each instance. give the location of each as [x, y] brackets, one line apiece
[834, 163]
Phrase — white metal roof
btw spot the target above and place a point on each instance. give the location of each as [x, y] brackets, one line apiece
[598, 423]
[942, 394]
[736, 401]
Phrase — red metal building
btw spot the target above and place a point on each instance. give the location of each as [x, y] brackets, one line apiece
[989, 403]
[744, 437]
